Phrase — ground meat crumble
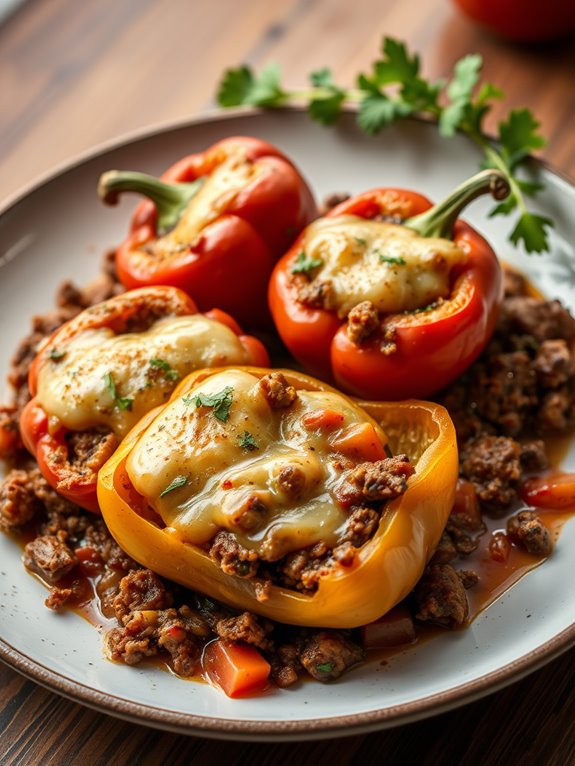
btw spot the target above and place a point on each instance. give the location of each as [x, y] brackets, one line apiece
[522, 385]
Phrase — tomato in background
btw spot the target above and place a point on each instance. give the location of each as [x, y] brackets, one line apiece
[523, 20]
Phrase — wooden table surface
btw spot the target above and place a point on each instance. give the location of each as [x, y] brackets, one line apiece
[75, 74]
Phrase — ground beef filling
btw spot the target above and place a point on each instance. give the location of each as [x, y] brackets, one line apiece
[365, 490]
[524, 383]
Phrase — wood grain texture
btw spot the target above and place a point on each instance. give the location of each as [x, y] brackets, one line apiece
[74, 74]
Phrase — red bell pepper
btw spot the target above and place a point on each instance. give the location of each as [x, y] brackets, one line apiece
[48, 439]
[215, 225]
[432, 345]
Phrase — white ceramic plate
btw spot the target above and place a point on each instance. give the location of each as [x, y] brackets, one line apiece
[59, 230]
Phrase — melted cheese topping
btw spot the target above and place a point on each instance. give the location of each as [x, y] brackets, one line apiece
[143, 368]
[387, 264]
[213, 198]
[216, 480]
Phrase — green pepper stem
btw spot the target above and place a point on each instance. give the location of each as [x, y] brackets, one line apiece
[171, 199]
[438, 221]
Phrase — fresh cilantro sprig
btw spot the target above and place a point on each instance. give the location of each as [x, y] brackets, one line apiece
[395, 89]
[121, 402]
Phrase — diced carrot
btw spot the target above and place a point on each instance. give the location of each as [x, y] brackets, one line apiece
[237, 670]
[466, 504]
[360, 442]
[325, 420]
[393, 629]
[554, 491]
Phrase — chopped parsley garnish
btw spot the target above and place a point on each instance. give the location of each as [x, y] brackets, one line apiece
[166, 368]
[247, 441]
[121, 402]
[56, 354]
[303, 264]
[399, 261]
[360, 241]
[221, 402]
[177, 483]
[324, 667]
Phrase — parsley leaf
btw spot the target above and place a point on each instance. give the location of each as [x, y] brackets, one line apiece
[459, 91]
[531, 229]
[518, 136]
[177, 483]
[303, 264]
[324, 667]
[166, 368]
[399, 261]
[121, 402]
[56, 354]
[247, 442]
[242, 87]
[396, 65]
[221, 402]
[325, 108]
[377, 110]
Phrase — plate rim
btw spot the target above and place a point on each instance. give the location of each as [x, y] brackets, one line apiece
[294, 729]
[253, 729]
[211, 115]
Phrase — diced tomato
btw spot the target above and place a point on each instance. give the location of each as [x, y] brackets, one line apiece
[237, 670]
[325, 420]
[499, 547]
[554, 491]
[393, 629]
[89, 560]
[360, 442]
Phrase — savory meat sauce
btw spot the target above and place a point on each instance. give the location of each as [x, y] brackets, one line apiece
[512, 411]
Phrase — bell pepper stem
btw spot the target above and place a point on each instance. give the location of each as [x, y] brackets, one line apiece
[171, 199]
[438, 221]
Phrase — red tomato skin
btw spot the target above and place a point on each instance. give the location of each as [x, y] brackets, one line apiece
[553, 491]
[523, 20]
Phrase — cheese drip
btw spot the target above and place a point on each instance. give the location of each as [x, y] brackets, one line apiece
[214, 197]
[215, 479]
[388, 264]
[76, 388]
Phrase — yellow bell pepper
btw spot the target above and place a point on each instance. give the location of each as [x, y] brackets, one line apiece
[386, 567]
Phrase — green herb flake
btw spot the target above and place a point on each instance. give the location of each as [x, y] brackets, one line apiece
[166, 368]
[121, 402]
[221, 402]
[177, 483]
[324, 667]
[247, 442]
[399, 261]
[56, 354]
[303, 264]
[360, 241]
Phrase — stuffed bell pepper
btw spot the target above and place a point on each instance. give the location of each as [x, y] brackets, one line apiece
[388, 296]
[103, 370]
[275, 493]
[214, 225]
